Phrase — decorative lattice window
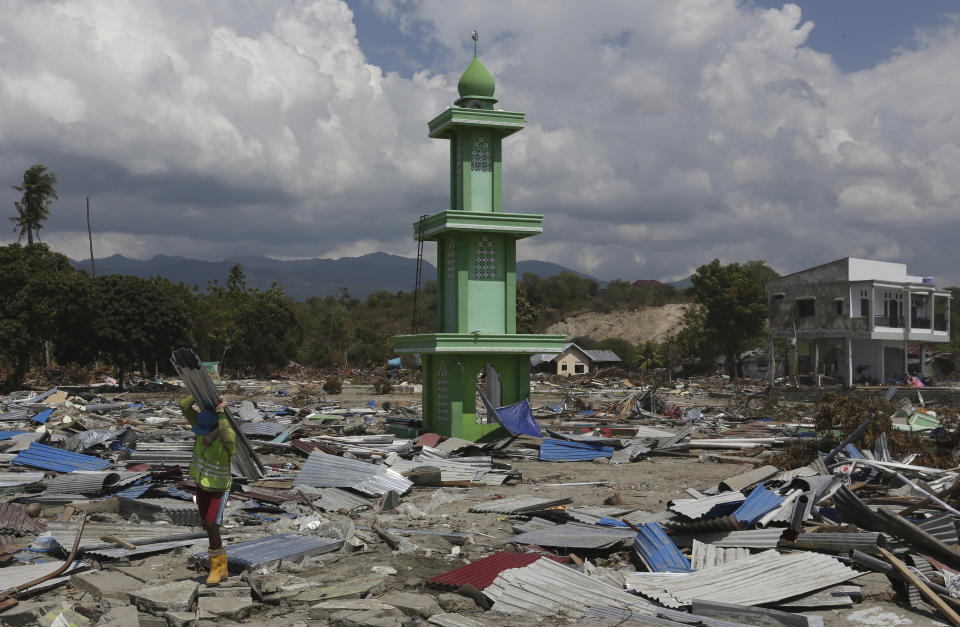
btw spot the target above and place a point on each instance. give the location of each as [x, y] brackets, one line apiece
[451, 259]
[485, 259]
[481, 161]
[443, 394]
[459, 181]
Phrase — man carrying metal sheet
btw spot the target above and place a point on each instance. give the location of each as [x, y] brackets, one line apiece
[210, 468]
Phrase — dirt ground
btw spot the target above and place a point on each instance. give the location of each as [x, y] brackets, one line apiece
[654, 324]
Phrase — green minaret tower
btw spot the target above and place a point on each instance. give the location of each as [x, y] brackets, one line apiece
[476, 272]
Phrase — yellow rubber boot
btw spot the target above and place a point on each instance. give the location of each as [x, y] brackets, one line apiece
[218, 566]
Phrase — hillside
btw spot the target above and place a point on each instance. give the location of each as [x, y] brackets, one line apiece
[635, 326]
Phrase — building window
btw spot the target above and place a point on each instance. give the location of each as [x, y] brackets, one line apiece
[838, 307]
[563, 367]
[805, 307]
[578, 369]
[864, 307]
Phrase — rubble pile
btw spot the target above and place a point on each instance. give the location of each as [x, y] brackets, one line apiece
[609, 515]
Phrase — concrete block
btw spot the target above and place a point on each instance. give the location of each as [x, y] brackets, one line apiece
[149, 620]
[369, 618]
[326, 609]
[26, 613]
[232, 607]
[456, 603]
[105, 584]
[412, 604]
[180, 619]
[120, 616]
[172, 597]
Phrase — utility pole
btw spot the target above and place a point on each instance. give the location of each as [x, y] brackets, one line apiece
[93, 271]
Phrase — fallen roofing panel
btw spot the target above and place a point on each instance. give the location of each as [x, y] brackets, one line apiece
[566, 451]
[749, 478]
[546, 588]
[940, 527]
[178, 512]
[335, 499]
[13, 576]
[519, 505]
[265, 428]
[762, 578]
[482, 572]
[52, 458]
[17, 414]
[759, 502]
[455, 620]
[750, 539]
[723, 523]
[65, 533]
[657, 551]
[14, 519]
[576, 536]
[282, 546]
[709, 556]
[115, 553]
[11, 479]
[328, 471]
[722, 503]
[866, 541]
[82, 482]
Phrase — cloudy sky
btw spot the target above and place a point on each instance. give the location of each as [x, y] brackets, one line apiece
[660, 134]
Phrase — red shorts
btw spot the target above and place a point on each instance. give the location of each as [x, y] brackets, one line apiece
[211, 505]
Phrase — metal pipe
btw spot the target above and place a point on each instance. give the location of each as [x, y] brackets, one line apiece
[796, 521]
[853, 437]
[930, 497]
[913, 534]
[886, 568]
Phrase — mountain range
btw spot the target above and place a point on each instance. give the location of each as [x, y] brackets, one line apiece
[301, 278]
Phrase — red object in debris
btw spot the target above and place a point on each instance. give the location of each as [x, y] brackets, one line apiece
[305, 447]
[482, 572]
[139, 468]
[429, 439]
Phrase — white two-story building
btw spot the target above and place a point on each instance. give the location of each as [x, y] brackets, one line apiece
[852, 318]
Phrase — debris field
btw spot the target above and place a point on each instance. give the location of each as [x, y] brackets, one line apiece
[633, 505]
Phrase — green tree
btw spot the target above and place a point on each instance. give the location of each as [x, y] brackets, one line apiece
[34, 206]
[140, 320]
[648, 357]
[624, 349]
[42, 299]
[734, 307]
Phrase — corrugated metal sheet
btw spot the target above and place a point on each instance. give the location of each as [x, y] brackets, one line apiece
[852, 509]
[429, 439]
[725, 502]
[116, 553]
[762, 578]
[759, 502]
[13, 576]
[669, 618]
[10, 479]
[284, 546]
[751, 539]
[818, 484]
[328, 471]
[136, 533]
[82, 482]
[51, 458]
[942, 527]
[576, 536]
[723, 523]
[566, 451]
[453, 470]
[710, 556]
[306, 446]
[866, 541]
[14, 519]
[265, 428]
[453, 444]
[747, 479]
[6, 435]
[547, 589]
[335, 499]
[482, 572]
[519, 505]
[16, 414]
[657, 551]
[787, 476]
[455, 620]
[593, 515]
[178, 512]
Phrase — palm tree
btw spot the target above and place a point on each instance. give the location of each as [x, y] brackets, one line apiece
[34, 207]
[648, 357]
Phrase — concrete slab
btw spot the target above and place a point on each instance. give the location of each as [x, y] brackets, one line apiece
[412, 604]
[178, 596]
[232, 607]
[456, 603]
[105, 584]
[120, 616]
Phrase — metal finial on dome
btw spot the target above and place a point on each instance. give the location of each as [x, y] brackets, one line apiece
[476, 38]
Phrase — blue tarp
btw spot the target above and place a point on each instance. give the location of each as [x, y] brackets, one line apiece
[517, 418]
[567, 451]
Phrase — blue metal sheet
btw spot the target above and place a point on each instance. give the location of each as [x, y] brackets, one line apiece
[566, 451]
[42, 416]
[134, 492]
[759, 502]
[658, 552]
[278, 547]
[6, 435]
[51, 458]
